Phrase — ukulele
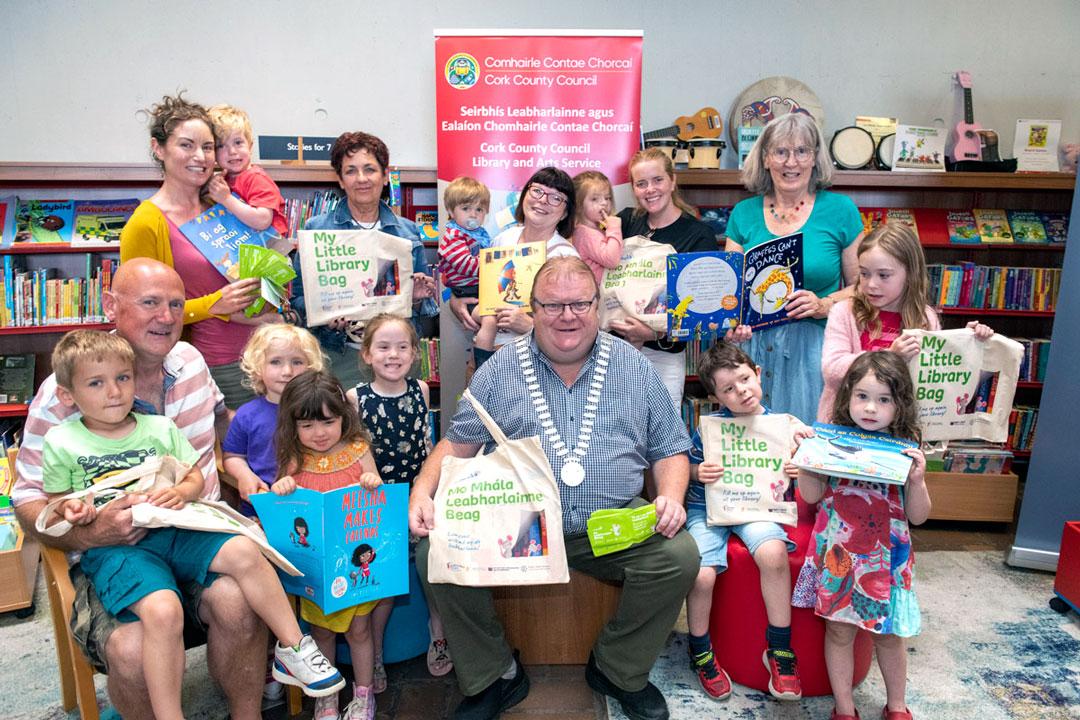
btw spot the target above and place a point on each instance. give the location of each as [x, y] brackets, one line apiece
[705, 123]
[968, 145]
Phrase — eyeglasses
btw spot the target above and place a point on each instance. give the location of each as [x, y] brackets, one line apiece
[553, 198]
[802, 153]
[579, 307]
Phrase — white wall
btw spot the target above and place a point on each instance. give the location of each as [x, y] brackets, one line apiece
[74, 75]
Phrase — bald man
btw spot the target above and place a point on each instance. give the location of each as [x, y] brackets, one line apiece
[146, 303]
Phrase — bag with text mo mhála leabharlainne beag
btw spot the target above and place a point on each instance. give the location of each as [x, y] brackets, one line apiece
[498, 517]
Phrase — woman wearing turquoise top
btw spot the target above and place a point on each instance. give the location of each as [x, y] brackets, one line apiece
[787, 170]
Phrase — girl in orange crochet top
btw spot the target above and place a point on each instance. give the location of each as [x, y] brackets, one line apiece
[323, 446]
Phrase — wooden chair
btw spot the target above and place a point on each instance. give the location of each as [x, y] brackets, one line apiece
[76, 673]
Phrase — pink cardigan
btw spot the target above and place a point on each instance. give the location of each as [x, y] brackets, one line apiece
[840, 348]
[599, 248]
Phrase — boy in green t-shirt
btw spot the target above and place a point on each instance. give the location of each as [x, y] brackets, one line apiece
[95, 373]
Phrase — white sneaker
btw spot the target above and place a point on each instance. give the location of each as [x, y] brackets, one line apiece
[362, 706]
[306, 667]
[326, 708]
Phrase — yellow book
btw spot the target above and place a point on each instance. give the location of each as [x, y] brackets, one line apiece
[506, 275]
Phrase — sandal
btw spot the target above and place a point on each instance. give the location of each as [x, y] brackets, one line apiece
[438, 658]
[378, 677]
[887, 714]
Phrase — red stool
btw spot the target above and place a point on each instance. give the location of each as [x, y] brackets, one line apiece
[737, 623]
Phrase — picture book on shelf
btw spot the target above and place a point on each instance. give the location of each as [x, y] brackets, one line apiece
[748, 135]
[218, 234]
[878, 127]
[1056, 225]
[726, 288]
[8, 206]
[44, 221]
[506, 275]
[1027, 227]
[962, 228]
[873, 218]
[16, 379]
[919, 149]
[98, 222]
[854, 453]
[352, 544]
[993, 225]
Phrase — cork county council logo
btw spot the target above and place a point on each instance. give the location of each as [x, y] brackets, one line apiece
[462, 71]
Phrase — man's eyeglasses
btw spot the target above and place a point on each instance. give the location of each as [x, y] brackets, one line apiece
[579, 307]
[553, 198]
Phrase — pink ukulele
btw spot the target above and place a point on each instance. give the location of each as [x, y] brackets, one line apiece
[968, 145]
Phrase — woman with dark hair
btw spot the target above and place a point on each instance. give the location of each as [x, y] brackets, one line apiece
[545, 211]
[361, 162]
[182, 143]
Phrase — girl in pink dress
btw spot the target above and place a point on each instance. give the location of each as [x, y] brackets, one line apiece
[323, 446]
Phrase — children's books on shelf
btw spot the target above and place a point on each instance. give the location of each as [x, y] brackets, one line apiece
[748, 135]
[919, 149]
[1027, 227]
[8, 207]
[1056, 225]
[1036, 354]
[719, 290]
[16, 379]
[506, 275]
[962, 227]
[35, 297]
[44, 221]
[969, 285]
[993, 225]
[1022, 423]
[352, 544]
[98, 222]
[856, 454]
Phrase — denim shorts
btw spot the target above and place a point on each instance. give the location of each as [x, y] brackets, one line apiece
[712, 540]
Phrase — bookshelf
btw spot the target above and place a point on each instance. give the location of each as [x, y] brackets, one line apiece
[986, 498]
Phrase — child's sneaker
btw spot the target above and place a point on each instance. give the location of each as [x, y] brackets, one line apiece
[362, 706]
[326, 708]
[306, 667]
[378, 677]
[784, 683]
[714, 681]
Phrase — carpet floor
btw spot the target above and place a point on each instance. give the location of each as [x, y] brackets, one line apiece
[991, 649]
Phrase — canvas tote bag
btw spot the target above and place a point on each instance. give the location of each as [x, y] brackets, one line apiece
[355, 274]
[637, 286]
[753, 450]
[205, 515]
[964, 387]
[498, 517]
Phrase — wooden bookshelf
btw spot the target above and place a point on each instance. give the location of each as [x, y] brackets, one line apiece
[969, 497]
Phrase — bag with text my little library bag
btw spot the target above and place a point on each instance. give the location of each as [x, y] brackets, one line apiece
[637, 286]
[752, 450]
[498, 517]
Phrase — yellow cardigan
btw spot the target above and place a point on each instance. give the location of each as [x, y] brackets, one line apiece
[146, 234]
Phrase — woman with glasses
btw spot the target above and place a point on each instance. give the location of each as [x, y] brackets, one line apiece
[545, 211]
[787, 170]
[664, 217]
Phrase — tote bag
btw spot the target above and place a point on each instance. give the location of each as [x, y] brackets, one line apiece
[753, 450]
[637, 286]
[355, 274]
[498, 517]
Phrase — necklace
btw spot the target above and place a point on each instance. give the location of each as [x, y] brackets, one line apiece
[572, 471]
[365, 226]
[785, 216]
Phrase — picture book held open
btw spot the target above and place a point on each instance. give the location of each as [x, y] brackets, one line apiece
[850, 452]
[506, 275]
[719, 290]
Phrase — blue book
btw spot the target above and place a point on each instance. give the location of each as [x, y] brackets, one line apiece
[718, 290]
[218, 235]
[351, 545]
[856, 454]
[44, 221]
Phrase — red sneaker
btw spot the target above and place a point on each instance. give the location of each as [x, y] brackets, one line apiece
[784, 681]
[714, 681]
[887, 714]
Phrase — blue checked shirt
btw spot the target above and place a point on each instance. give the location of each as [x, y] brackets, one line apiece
[636, 423]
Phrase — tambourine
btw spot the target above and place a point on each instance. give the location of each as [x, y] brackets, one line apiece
[885, 151]
[705, 153]
[852, 148]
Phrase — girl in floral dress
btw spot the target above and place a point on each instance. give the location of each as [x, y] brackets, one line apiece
[394, 407]
[859, 569]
